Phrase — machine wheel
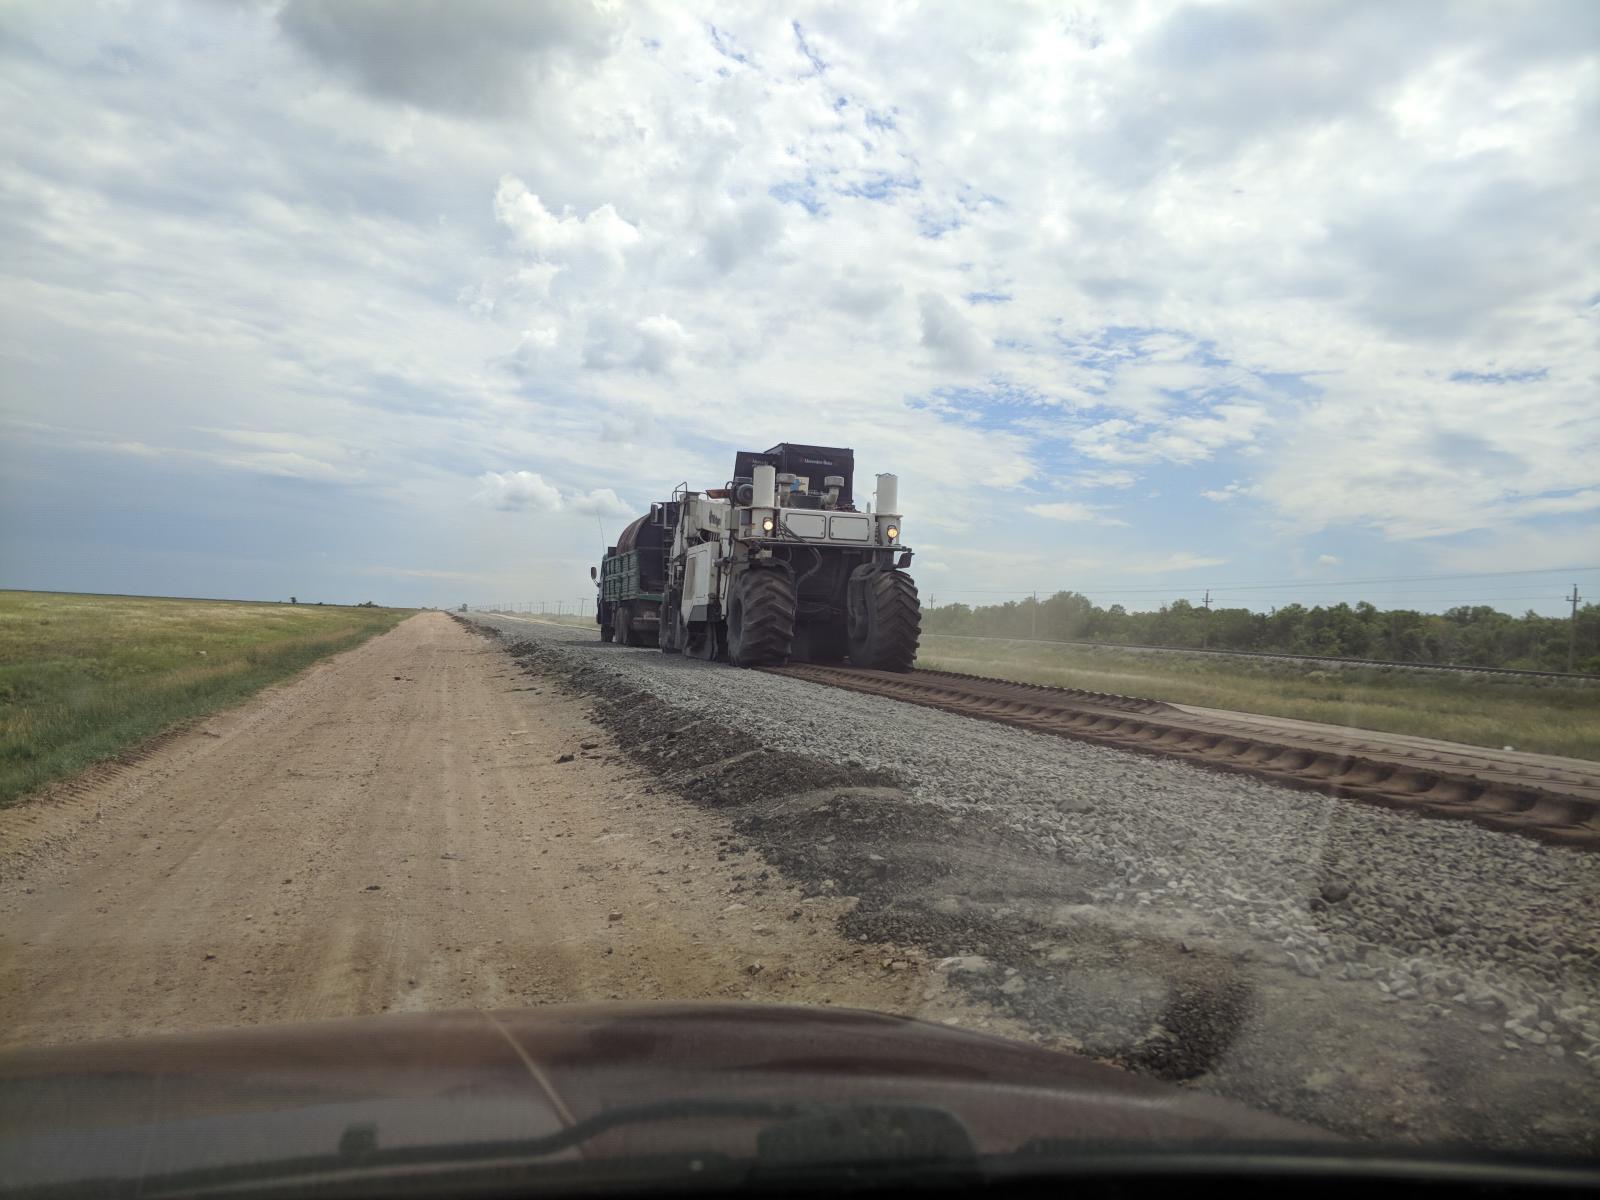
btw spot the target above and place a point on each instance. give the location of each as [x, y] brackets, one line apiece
[651, 638]
[607, 632]
[703, 642]
[890, 624]
[670, 638]
[760, 619]
[622, 618]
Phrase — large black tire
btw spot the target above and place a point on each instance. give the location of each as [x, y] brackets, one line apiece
[607, 633]
[760, 619]
[650, 638]
[890, 625]
[622, 618]
[670, 637]
[703, 641]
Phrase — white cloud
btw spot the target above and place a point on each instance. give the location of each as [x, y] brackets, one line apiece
[1105, 478]
[515, 491]
[291, 455]
[593, 246]
[1583, 500]
[1327, 560]
[1425, 458]
[661, 341]
[427, 573]
[654, 344]
[741, 232]
[950, 337]
[256, 452]
[465, 56]
[1521, 547]
[1068, 510]
[1149, 388]
[1229, 492]
[1192, 439]
[1181, 560]
[601, 502]
[496, 232]
[527, 491]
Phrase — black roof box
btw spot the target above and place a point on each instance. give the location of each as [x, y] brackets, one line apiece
[816, 463]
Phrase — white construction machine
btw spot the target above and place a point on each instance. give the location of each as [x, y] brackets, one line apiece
[780, 564]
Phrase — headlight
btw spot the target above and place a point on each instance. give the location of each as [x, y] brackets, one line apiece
[892, 532]
[766, 524]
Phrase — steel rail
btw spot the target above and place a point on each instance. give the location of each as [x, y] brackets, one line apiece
[1314, 658]
[1553, 800]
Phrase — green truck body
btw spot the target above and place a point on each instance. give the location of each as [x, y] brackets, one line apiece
[621, 579]
[629, 586]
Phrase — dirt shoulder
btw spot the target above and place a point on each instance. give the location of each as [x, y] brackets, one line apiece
[412, 825]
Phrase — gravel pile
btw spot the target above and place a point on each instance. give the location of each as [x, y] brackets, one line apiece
[1446, 918]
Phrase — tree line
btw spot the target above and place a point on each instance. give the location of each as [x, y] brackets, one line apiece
[1469, 635]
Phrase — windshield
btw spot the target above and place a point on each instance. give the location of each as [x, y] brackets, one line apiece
[1070, 524]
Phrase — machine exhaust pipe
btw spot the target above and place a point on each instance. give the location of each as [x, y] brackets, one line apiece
[889, 495]
[764, 483]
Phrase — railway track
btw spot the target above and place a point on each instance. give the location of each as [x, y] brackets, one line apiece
[1553, 799]
[1274, 656]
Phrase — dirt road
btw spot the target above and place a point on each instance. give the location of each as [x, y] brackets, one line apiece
[412, 825]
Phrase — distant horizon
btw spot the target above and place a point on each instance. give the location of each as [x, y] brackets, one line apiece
[1150, 603]
[286, 601]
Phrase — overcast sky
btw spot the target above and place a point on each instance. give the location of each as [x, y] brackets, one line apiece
[418, 301]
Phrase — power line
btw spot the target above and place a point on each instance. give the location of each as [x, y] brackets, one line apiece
[1400, 596]
[1256, 587]
[1216, 600]
[1287, 583]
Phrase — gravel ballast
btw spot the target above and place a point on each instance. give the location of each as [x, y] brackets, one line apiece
[1381, 974]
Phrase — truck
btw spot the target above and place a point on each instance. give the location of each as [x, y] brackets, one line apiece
[630, 585]
[779, 564]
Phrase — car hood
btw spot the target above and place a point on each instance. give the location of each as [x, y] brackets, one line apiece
[697, 1076]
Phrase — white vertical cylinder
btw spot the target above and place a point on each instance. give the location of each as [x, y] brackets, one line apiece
[889, 494]
[763, 482]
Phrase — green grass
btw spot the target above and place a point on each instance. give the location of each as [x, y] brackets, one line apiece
[1548, 717]
[83, 678]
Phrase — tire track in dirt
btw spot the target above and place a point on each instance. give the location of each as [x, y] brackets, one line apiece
[393, 830]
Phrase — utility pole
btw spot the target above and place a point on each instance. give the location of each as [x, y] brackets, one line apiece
[1035, 634]
[1205, 621]
[1572, 630]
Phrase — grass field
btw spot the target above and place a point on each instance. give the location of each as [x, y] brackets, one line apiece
[85, 677]
[1484, 710]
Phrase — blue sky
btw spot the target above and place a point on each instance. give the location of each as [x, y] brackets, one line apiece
[349, 301]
